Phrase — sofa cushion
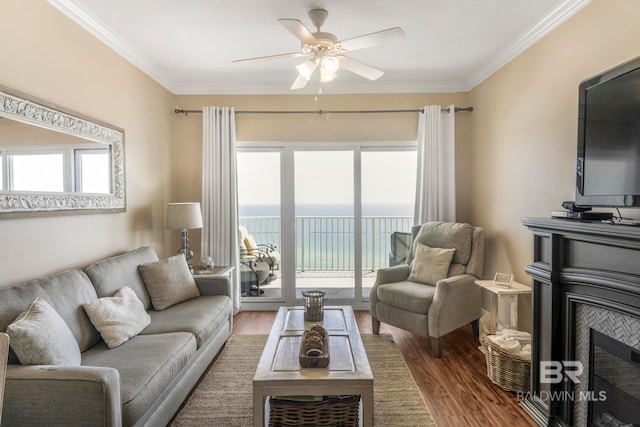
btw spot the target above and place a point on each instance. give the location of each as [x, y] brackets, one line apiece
[202, 316]
[119, 317]
[169, 281]
[411, 296]
[66, 292]
[114, 273]
[147, 365]
[39, 336]
[430, 265]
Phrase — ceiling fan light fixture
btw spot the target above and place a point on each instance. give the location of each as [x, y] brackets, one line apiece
[329, 65]
[307, 68]
[325, 50]
[326, 78]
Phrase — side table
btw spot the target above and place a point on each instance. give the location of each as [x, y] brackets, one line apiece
[218, 270]
[505, 295]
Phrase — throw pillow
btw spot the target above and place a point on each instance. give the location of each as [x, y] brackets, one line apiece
[119, 317]
[168, 281]
[251, 244]
[430, 264]
[39, 336]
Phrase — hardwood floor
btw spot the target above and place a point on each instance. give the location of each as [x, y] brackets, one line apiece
[455, 388]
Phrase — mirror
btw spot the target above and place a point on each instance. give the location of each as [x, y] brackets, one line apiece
[57, 161]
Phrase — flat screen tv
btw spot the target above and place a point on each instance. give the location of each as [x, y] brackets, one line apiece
[608, 166]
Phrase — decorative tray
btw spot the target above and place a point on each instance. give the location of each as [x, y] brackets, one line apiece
[314, 348]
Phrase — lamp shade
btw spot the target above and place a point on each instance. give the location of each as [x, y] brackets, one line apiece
[307, 68]
[184, 216]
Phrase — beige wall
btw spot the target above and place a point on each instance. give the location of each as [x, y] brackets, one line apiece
[46, 55]
[524, 126]
[313, 127]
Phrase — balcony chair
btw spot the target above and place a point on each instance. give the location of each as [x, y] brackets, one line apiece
[257, 263]
[253, 274]
[433, 293]
[400, 248]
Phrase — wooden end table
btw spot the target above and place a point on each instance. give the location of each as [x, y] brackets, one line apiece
[501, 294]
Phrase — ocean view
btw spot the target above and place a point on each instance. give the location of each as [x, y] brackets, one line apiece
[325, 233]
[330, 210]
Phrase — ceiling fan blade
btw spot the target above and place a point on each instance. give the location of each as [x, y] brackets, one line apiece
[299, 83]
[360, 68]
[372, 39]
[298, 29]
[271, 57]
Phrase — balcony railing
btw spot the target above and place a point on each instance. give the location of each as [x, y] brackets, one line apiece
[326, 243]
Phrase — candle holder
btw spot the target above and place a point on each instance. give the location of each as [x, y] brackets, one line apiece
[313, 305]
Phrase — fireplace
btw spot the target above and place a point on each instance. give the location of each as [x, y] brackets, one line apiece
[608, 346]
[614, 382]
[586, 312]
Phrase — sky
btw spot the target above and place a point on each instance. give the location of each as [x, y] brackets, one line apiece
[326, 177]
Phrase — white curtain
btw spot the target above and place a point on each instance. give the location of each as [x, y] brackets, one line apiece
[436, 174]
[219, 192]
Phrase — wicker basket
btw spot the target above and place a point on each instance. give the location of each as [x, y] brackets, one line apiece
[509, 371]
[339, 411]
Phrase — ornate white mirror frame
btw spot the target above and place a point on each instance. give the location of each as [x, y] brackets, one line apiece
[28, 110]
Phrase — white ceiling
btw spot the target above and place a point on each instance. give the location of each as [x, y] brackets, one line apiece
[188, 46]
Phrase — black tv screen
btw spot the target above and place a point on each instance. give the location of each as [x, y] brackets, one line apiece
[608, 167]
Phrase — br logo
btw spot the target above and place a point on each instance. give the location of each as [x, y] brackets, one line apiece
[554, 372]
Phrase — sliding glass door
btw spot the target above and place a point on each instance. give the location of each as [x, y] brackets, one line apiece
[259, 205]
[388, 180]
[324, 222]
[336, 212]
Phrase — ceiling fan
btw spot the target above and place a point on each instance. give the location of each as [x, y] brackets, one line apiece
[326, 52]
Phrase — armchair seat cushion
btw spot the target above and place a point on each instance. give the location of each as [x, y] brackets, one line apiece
[410, 296]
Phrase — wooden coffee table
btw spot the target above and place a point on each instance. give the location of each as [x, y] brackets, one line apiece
[279, 372]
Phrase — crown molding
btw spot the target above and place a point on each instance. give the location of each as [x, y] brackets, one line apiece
[334, 88]
[71, 9]
[81, 17]
[550, 22]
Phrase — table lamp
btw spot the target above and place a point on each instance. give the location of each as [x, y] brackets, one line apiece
[183, 217]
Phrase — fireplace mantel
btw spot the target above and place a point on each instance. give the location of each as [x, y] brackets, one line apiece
[574, 263]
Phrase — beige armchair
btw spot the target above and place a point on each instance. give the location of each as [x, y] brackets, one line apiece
[435, 309]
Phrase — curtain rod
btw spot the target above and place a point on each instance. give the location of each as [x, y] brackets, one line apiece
[321, 112]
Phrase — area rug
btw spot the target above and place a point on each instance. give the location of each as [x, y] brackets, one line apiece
[225, 395]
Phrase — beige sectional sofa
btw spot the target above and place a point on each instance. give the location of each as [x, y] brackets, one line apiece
[140, 382]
